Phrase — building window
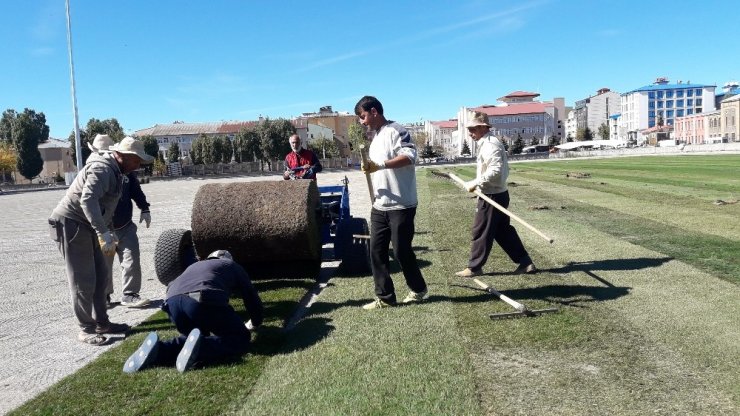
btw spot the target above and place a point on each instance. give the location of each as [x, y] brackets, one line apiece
[698, 92]
[689, 111]
[651, 104]
[689, 103]
[651, 95]
[698, 102]
[698, 110]
[660, 94]
[679, 113]
[679, 103]
[660, 104]
[689, 93]
[669, 113]
[651, 122]
[669, 104]
[669, 94]
[679, 94]
[651, 113]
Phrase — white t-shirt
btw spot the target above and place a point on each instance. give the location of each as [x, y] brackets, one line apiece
[492, 165]
[394, 188]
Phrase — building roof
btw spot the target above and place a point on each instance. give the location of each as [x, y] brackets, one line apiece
[656, 87]
[735, 97]
[446, 124]
[658, 129]
[520, 94]
[512, 109]
[52, 143]
[181, 129]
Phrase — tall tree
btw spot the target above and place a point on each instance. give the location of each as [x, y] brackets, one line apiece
[94, 127]
[518, 145]
[173, 152]
[247, 145]
[26, 141]
[6, 125]
[274, 135]
[8, 160]
[227, 150]
[151, 147]
[603, 131]
[324, 146]
[588, 134]
[553, 141]
[356, 136]
[215, 149]
[465, 148]
[197, 150]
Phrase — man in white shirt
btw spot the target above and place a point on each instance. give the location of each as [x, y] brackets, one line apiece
[490, 224]
[390, 164]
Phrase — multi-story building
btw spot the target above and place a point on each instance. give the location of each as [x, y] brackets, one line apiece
[519, 115]
[442, 134]
[662, 102]
[713, 127]
[728, 90]
[730, 118]
[570, 125]
[184, 133]
[692, 129]
[337, 121]
[595, 110]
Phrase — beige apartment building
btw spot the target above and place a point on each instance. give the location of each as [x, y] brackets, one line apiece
[730, 118]
[337, 121]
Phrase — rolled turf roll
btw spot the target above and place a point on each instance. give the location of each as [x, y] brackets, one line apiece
[265, 226]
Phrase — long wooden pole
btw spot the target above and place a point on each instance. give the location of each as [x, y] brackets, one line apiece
[502, 209]
[363, 154]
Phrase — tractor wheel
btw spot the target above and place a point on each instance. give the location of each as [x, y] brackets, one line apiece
[173, 253]
[354, 252]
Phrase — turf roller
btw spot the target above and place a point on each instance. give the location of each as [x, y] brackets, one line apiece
[270, 228]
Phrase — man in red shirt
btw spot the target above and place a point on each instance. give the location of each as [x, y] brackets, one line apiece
[300, 163]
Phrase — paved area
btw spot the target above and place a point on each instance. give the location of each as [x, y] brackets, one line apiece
[38, 344]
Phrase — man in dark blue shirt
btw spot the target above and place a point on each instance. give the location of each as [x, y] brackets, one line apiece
[197, 302]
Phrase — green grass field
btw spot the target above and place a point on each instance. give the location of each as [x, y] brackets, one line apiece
[645, 270]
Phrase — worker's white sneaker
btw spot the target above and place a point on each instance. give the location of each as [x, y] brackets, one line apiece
[414, 297]
[377, 304]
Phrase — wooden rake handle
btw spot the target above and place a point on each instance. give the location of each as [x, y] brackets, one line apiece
[363, 155]
[516, 305]
[502, 209]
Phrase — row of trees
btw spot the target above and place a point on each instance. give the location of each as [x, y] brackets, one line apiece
[20, 136]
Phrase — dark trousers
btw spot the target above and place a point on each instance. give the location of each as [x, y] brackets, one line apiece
[397, 227]
[225, 335]
[491, 225]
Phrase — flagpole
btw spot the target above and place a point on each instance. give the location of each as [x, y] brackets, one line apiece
[78, 144]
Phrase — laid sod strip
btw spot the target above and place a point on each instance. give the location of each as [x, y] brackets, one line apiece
[613, 348]
[101, 387]
[715, 254]
[343, 360]
[713, 172]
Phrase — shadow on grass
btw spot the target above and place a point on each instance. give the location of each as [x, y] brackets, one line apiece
[567, 295]
[638, 263]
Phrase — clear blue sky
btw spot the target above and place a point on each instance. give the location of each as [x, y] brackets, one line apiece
[157, 61]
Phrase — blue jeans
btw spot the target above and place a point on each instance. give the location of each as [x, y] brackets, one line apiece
[224, 333]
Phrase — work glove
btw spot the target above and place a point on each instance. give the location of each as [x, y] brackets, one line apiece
[107, 243]
[369, 166]
[471, 186]
[250, 326]
[145, 217]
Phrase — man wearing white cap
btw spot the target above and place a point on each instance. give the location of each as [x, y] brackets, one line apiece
[80, 226]
[490, 224]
